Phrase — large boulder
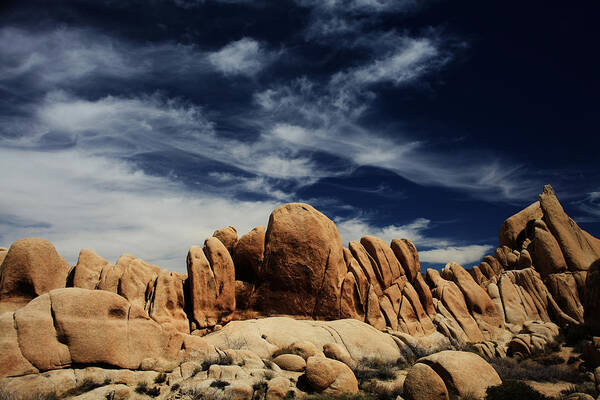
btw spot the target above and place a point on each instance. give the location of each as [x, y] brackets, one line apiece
[385, 261]
[80, 326]
[86, 273]
[248, 254]
[423, 383]
[478, 301]
[211, 283]
[512, 233]
[464, 373]
[228, 236]
[454, 301]
[266, 335]
[330, 376]
[31, 268]
[579, 248]
[304, 264]
[407, 254]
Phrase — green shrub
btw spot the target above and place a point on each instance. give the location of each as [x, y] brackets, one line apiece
[143, 388]
[219, 384]
[85, 386]
[514, 390]
[222, 359]
[375, 368]
[511, 369]
[160, 378]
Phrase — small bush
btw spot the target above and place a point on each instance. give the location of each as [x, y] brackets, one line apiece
[143, 388]
[5, 395]
[514, 390]
[552, 359]
[175, 387]
[222, 359]
[511, 369]
[585, 387]
[219, 384]
[260, 386]
[85, 386]
[160, 378]
[377, 369]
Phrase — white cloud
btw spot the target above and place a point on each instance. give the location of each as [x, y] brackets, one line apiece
[464, 255]
[78, 201]
[242, 57]
[404, 64]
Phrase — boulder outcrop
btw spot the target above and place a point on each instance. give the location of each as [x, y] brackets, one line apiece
[304, 264]
[30, 268]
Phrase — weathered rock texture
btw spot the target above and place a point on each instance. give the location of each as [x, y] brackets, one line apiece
[544, 274]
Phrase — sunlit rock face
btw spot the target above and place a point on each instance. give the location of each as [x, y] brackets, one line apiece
[294, 293]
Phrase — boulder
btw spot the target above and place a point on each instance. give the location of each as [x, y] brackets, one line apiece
[211, 280]
[579, 248]
[330, 376]
[386, 262]
[168, 302]
[13, 362]
[290, 362]
[87, 271]
[464, 373]
[31, 268]
[278, 388]
[338, 352]
[423, 383]
[407, 254]
[512, 233]
[304, 264]
[80, 326]
[478, 301]
[368, 265]
[453, 300]
[305, 338]
[248, 254]
[228, 236]
[547, 256]
[564, 290]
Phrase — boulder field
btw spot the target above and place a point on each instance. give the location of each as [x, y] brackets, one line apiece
[290, 309]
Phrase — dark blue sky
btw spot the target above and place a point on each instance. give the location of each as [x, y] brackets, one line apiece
[142, 126]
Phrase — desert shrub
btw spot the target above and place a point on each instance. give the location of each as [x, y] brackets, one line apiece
[375, 368]
[6, 395]
[222, 359]
[468, 396]
[85, 386]
[219, 384]
[160, 378]
[343, 396]
[175, 387]
[585, 387]
[260, 386]
[143, 388]
[510, 368]
[514, 390]
[551, 359]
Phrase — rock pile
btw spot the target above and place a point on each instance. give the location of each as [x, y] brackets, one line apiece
[335, 306]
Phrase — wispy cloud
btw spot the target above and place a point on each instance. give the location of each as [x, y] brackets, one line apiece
[242, 57]
[76, 201]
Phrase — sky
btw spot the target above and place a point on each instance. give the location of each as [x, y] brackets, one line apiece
[141, 127]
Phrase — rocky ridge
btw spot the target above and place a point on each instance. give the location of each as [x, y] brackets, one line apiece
[293, 289]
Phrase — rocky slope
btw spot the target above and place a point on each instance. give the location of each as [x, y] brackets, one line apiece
[295, 292]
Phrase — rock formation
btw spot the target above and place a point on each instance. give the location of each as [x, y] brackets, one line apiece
[292, 293]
